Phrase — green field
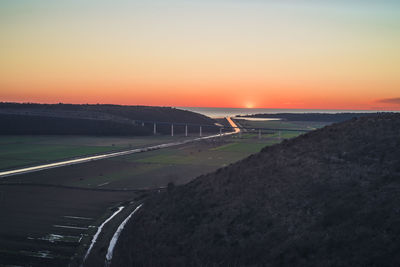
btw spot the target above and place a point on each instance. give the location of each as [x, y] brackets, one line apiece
[280, 124]
[15, 155]
[244, 147]
[59, 192]
[291, 127]
[19, 151]
[150, 169]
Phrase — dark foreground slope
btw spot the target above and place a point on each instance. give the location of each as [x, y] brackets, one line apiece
[96, 119]
[327, 198]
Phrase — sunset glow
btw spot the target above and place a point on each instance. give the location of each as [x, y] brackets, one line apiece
[227, 53]
[249, 105]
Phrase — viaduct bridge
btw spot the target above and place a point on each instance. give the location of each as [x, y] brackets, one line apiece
[232, 128]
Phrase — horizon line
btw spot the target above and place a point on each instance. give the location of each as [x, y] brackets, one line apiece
[390, 109]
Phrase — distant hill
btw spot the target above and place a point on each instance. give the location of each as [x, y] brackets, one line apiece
[330, 197]
[322, 117]
[95, 119]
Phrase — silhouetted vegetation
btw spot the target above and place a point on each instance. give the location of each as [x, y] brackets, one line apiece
[96, 119]
[326, 198]
[25, 124]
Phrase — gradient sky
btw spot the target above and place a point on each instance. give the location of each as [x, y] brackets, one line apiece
[339, 54]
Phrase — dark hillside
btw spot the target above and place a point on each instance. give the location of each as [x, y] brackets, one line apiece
[95, 119]
[35, 125]
[327, 198]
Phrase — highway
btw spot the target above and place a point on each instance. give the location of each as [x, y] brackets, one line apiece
[233, 124]
[114, 154]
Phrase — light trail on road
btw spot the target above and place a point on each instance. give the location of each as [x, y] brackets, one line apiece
[116, 235]
[96, 235]
[111, 155]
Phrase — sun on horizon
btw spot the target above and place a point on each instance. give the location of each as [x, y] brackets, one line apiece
[249, 105]
[310, 54]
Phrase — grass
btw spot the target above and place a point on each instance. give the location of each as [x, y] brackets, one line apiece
[269, 124]
[20, 151]
[133, 176]
[280, 124]
[143, 170]
[285, 134]
[243, 147]
[168, 159]
[150, 169]
[16, 155]
[265, 133]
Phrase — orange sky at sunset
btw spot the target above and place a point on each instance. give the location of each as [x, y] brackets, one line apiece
[227, 53]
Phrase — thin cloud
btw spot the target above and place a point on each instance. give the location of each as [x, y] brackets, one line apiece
[395, 100]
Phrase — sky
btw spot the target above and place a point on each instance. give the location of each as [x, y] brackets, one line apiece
[330, 54]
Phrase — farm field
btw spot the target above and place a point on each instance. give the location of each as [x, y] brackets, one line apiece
[60, 196]
[20, 151]
[274, 124]
[291, 127]
[150, 169]
[45, 226]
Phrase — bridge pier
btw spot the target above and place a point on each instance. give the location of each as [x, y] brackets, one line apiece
[220, 131]
[172, 130]
[186, 130]
[154, 129]
[200, 131]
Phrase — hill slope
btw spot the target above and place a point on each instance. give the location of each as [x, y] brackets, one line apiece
[327, 198]
[95, 119]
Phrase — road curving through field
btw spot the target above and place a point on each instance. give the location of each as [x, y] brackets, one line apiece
[114, 154]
